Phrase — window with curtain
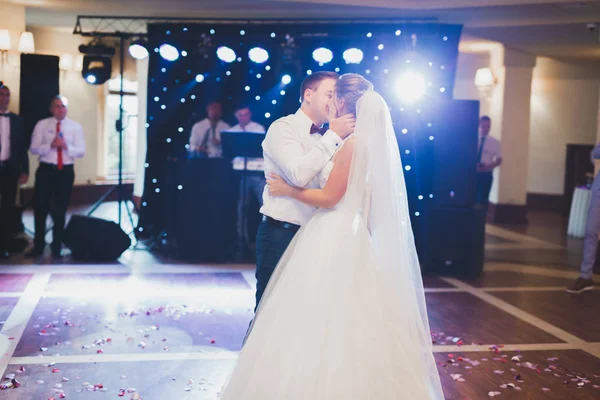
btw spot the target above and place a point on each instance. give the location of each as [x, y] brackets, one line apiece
[130, 126]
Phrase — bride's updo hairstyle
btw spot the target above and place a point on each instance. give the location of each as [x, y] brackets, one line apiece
[350, 88]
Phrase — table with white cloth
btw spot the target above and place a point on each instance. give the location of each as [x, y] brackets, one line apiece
[579, 211]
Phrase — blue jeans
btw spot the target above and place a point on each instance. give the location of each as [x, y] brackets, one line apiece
[590, 243]
[271, 242]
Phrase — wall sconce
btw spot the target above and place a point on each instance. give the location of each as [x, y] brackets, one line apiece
[26, 43]
[66, 62]
[485, 81]
[5, 45]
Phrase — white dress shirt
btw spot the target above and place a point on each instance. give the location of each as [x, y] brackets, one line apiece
[291, 152]
[253, 164]
[252, 126]
[202, 134]
[45, 132]
[4, 138]
[491, 150]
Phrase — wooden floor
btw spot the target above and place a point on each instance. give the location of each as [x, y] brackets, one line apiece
[170, 330]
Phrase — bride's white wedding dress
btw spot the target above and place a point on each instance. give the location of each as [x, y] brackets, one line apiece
[343, 316]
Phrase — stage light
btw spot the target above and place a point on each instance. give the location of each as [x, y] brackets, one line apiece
[380, 47]
[286, 79]
[398, 32]
[353, 56]
[258, 55]
[138, 49]
[168, 52]
[96, 69]
[226, 54]
[410, 87]
[322, 55]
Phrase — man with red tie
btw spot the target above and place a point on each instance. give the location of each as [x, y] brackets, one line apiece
[58, 141]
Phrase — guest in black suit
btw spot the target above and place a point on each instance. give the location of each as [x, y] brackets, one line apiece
[14, 163]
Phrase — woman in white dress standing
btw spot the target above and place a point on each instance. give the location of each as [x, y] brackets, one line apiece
[344, 314]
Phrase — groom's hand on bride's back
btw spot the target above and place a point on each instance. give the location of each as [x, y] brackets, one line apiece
[343, 126]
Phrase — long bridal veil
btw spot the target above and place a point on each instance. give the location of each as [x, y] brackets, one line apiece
[377, 191]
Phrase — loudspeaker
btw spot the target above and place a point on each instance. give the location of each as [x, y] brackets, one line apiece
[455, 241]
[39, 84]
[454, 134]
[94, 239]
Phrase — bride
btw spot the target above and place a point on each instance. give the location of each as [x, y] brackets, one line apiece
[344, 315]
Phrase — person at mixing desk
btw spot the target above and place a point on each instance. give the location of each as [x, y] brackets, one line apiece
[205, 139]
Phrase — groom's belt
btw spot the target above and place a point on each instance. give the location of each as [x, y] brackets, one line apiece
[281, 224]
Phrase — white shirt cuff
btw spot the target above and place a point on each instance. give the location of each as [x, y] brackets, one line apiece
[332, 141]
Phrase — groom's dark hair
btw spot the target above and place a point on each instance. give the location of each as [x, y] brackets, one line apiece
[313, 81]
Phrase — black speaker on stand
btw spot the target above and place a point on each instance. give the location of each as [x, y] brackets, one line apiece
[453, 228]
[95, 239]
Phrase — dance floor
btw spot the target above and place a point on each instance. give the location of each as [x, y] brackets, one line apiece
[153, 329]
[172, 331]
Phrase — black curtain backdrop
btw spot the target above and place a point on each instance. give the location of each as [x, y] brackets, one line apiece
[178, 91]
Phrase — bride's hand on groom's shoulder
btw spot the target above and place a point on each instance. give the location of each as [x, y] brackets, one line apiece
[277, 186]
[343, 126]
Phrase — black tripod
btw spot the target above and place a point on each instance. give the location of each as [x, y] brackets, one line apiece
[121, 196]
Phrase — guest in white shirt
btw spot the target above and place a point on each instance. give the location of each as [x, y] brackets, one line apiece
[58, 141]
[206, 134]
[14, 168]
[296, 148]
[489, 156]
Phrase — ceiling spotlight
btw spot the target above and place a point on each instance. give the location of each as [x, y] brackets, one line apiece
[322, 55]
[226, 54]
[353, 56]
[168, 52]
[138, 49]
[258, 55]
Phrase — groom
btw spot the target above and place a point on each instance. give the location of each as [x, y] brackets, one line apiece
[296, 148]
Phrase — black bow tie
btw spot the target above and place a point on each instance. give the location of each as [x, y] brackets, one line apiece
[5, 115]
[316, 129]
